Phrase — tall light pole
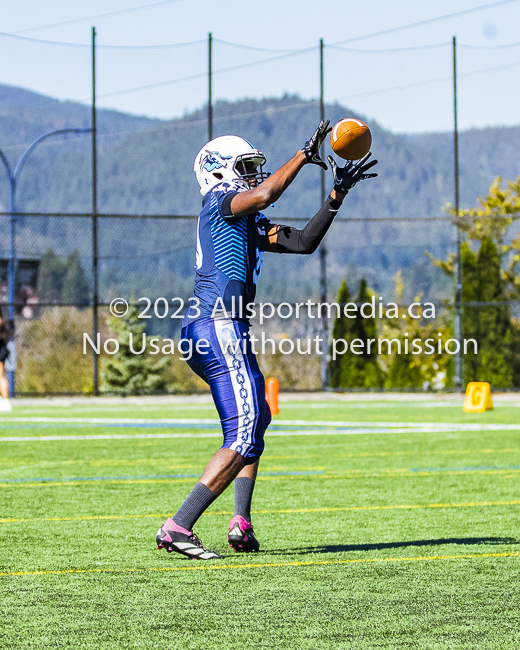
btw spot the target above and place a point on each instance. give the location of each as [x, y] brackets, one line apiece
[13, 176]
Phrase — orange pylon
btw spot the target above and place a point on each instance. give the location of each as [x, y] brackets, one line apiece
[271, 394]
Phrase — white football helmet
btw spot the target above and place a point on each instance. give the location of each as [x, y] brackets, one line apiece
[223, 159]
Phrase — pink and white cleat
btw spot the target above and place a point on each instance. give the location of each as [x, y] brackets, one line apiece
[241, 535]
[175, 538]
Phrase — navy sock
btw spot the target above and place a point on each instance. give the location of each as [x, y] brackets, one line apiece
[243, 495]
[200, 498]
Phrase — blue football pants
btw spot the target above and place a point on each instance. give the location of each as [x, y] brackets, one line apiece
[219, 351]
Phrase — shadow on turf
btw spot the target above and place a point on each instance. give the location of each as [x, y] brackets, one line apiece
[342, 548]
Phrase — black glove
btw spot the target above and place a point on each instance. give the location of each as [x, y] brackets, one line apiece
[311, 149]
[346, 177]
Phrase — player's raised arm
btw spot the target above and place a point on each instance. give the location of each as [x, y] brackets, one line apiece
[285, 239]
[270, 190]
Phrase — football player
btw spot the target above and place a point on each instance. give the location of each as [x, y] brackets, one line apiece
[232, 235]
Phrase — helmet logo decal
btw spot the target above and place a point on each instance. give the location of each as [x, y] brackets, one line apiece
[215, 161]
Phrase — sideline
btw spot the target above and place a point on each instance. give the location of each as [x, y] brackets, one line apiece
[509, 398]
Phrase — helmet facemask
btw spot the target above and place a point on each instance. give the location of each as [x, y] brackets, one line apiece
[250, 168]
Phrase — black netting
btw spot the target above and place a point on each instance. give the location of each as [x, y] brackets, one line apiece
[152, 118]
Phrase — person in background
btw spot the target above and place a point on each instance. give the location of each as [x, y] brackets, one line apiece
[5, 337]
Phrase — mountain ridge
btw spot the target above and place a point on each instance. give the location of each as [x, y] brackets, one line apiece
[145, 165]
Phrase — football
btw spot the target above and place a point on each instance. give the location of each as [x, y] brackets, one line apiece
[350, 139]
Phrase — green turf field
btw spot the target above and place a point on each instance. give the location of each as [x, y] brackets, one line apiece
[382, 525]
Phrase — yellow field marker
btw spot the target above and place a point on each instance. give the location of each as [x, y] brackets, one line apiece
[478, 397]
[294, 511]
[213, 567]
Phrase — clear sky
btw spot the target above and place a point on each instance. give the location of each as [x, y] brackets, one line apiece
[402, 78]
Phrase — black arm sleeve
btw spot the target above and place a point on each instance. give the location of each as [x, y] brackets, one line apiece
[225, 206]
[306, 241]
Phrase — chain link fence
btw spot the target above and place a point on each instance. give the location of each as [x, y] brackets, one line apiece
[152, 258]
[65, 255]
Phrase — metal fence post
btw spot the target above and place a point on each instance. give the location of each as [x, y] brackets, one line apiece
[323, 250]
[11, 273]
[458, 379]
[95, 270]
[210, 81]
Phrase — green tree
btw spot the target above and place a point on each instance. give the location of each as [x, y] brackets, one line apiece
[355, 370]
[494, 323]
[492, 275]
[127, 372]
[369, 373]
[470, 293]
[405, 371]
[75, 288]
[515, 350]
[342, 369]
[51, 272]
[419, 370]
[404, 368]
[60, 281]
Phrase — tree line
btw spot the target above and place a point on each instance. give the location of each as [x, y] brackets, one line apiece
[489, 258]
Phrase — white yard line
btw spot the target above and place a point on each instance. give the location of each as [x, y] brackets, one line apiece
[460, 426]
[369, 430]
[380, 405]
[300, 423]
[112, 420]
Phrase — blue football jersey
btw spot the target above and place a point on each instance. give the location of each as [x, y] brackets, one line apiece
[228, 259]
